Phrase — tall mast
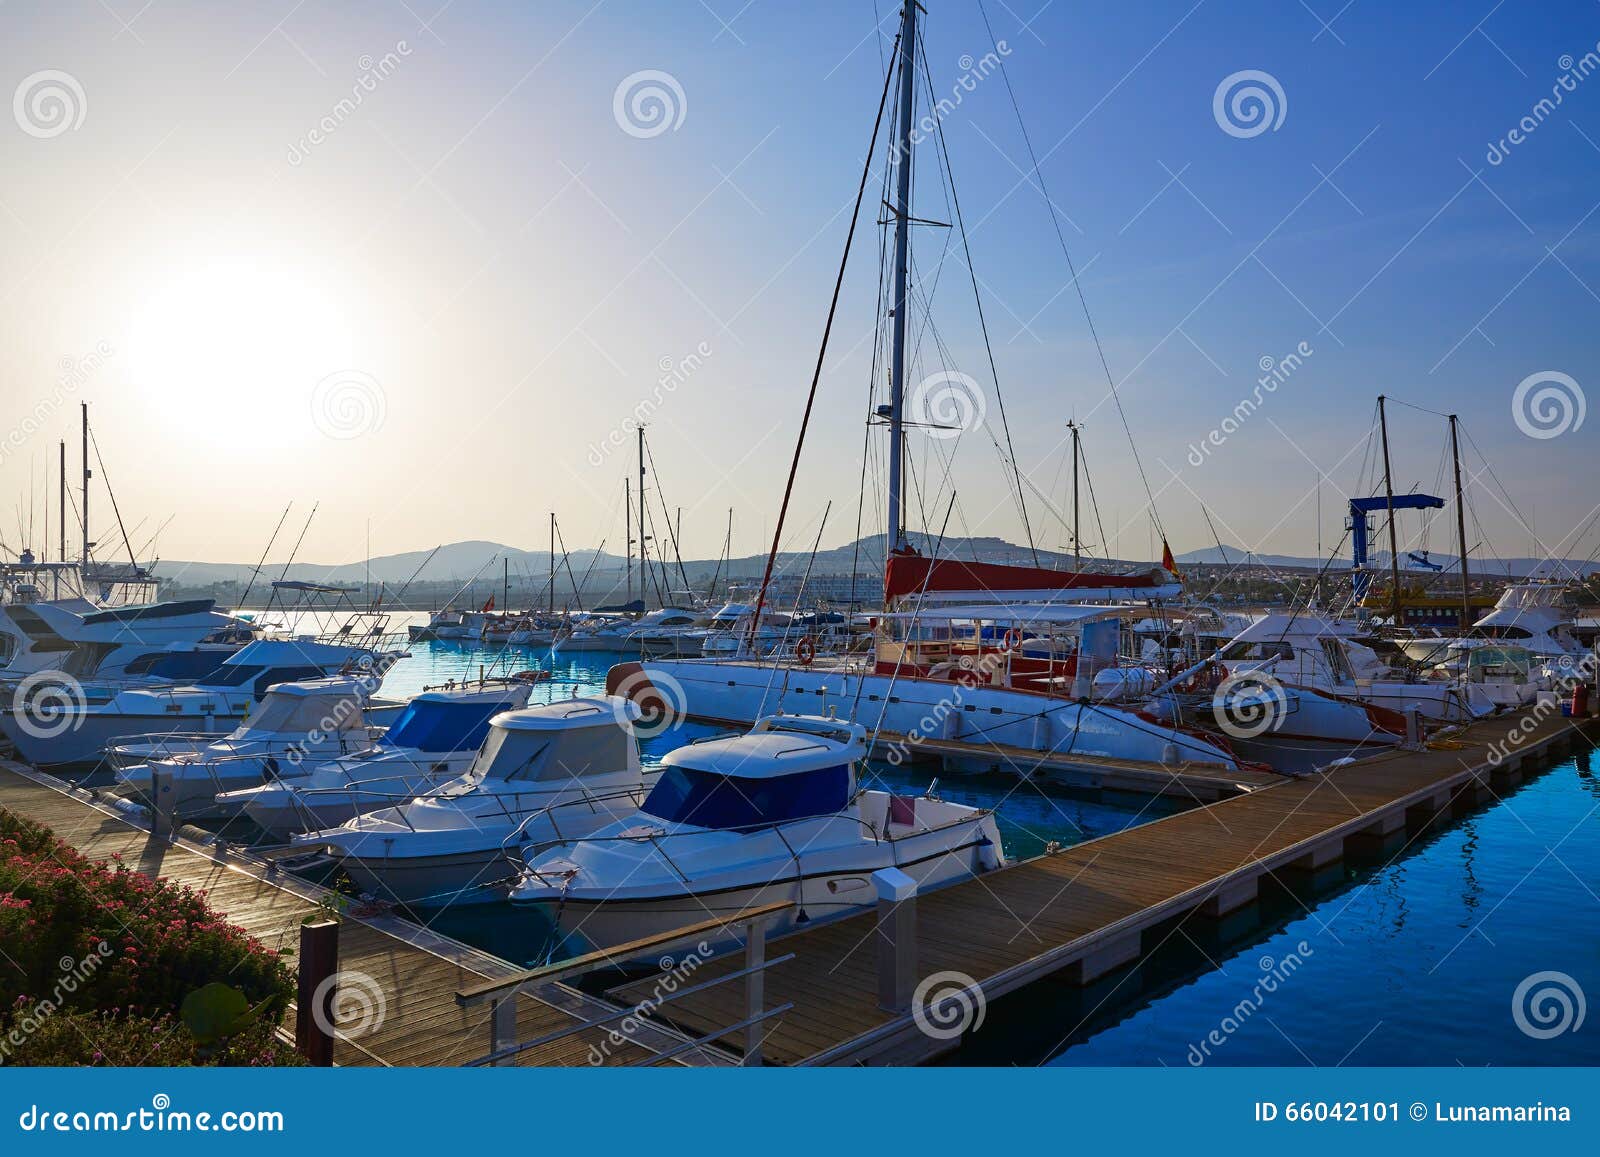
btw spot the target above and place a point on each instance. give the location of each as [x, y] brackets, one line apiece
[644, 539]
[1461, 527]
[627, 537]
[1077, 543]
[902, 264]
[63, 482]
[1388, 494]
[552, 562]
[86, 476]
[505, 583]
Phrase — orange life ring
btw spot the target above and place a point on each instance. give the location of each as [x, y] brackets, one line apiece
[806, 650]
[1013, 638]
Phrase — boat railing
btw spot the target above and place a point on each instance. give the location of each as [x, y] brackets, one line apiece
[393, 807]
[639, 1030]
[658, 838]
[207, 749]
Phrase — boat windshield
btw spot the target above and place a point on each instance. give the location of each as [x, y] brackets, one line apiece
[1258, 650]
[707, 800]
[430, 725]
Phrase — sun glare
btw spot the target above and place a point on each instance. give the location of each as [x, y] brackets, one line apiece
[239, 341]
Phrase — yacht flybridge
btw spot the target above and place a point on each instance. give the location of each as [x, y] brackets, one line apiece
[737, 822]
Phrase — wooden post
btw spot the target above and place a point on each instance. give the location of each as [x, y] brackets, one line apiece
[319, 964]
[897, 938]
[755, 989]
[161, 805]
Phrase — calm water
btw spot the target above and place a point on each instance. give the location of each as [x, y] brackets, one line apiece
[1410, 960]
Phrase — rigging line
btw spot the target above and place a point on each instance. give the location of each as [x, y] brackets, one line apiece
[1077, 284]
[827, 331]
[1503, 491]
[661, 497]
[112, 494]
[1094, 503]
[977, 297]
[872, 379]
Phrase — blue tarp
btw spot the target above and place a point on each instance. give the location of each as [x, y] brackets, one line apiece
[441, 725]
[683, 795]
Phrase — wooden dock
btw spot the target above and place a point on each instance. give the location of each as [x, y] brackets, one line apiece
[1084, 912]
[408, 973]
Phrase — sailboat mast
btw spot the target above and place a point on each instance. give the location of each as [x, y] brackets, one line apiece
[1388, 494]
[552, 562]
[644, 564]
[63, 482]
[87, 473]
[627, 514]
[1077, 543]
[902, 265]
[1461, 527]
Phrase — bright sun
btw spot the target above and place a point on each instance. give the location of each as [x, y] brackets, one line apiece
[239, 342]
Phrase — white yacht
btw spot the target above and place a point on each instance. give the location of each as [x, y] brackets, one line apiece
[557, 771]
[625, 636]
[78, 725]
[79, 639]
[956, 672]
[295, 724]
[1537, 617]
[1333, 655]
[433, 740]
[735, 822]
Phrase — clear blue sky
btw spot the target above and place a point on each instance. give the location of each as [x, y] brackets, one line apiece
[500, 269]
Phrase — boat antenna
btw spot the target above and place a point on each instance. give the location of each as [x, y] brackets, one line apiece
[256, 573]
[1388, 494]
[290, 560]
[827, 330]
[1461, 527]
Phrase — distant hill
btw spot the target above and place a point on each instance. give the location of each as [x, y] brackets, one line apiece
[458, 562]
[1518, 567]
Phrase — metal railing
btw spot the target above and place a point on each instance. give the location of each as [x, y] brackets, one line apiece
[501, 995]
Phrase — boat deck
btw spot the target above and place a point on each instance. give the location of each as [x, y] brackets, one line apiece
[1084, 911]
[411, 973]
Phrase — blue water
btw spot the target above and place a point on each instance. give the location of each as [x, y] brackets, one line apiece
[1408, 960]
[1413, 961]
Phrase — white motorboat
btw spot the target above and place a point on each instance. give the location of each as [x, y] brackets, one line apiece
[625, 636]
[733, 823]
[77, 725]
[1334, 655]
[75, 638]
[1538, 617]
[295, 725]
[433, 740]
[557, 771]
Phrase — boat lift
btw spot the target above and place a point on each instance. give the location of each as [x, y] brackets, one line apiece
[1360, 529]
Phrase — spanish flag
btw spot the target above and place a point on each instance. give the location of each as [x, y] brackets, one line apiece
[1167, 560]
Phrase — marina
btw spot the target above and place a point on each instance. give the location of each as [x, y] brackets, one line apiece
[915, 541]
[1080, 914]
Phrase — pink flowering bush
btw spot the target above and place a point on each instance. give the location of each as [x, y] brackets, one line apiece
[107, 941]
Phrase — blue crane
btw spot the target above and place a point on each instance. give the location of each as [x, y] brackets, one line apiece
[1360, 529]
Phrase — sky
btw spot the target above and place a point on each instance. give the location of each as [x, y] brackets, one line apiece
[425, 263]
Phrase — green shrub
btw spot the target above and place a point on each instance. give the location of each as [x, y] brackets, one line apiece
[97, 939]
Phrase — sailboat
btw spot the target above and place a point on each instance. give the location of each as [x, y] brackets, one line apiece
[949, 643]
